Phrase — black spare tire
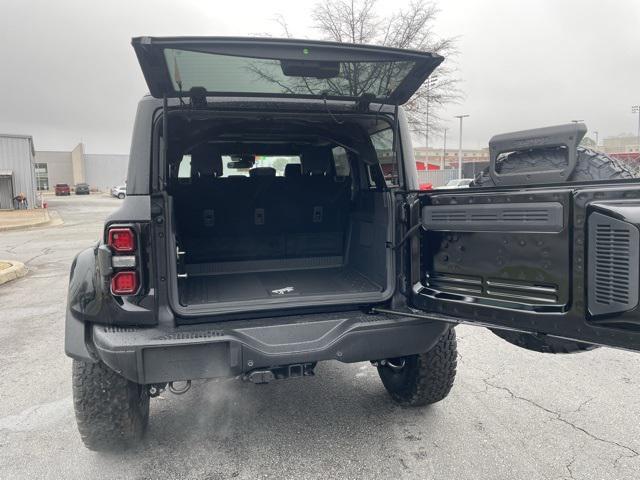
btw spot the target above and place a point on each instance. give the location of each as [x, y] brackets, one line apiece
[590, 165]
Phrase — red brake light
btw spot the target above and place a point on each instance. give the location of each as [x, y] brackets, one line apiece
[124, 283]
[122, 240]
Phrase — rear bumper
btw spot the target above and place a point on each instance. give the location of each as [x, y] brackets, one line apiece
[154, 355]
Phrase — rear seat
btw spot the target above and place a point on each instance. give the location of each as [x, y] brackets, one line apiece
[264, 216]
[206, 167]
[267, 200]
[318, 207]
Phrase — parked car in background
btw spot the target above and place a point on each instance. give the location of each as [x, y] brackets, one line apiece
[457, 183]
[62, 189]
[82, 189]
[119, 191]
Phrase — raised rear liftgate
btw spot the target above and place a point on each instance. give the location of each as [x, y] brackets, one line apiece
[559, 260]
[194, 68]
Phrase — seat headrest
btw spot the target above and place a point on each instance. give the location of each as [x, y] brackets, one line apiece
[315, 161]
[292, 170]
[206, 161]
[262, 172]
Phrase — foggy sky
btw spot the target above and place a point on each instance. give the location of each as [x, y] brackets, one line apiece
[68, 72]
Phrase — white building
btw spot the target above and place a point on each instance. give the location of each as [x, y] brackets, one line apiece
[100, 171]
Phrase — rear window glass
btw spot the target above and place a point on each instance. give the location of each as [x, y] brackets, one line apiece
[279, 163]
[230, 74]
[184, 169]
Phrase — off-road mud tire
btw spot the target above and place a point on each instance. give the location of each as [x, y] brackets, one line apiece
[425, 378]
[112, 413]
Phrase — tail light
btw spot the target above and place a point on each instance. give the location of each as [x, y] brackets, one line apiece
[125, 279]
[122, 240]
[124, 283]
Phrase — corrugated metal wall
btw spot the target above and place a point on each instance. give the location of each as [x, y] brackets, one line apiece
[16, 154]
[103, 171]
[6, 191]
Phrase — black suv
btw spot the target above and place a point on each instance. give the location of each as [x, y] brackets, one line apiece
[82, 189]
[273, 219]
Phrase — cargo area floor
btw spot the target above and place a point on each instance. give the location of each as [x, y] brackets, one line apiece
[196, 290]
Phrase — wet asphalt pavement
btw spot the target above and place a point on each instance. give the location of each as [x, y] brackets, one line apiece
[512, 414]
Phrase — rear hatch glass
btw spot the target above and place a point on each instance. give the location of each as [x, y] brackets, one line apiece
[281, 68]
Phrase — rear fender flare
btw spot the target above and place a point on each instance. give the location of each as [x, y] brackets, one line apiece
[82, 295]
[87, 287]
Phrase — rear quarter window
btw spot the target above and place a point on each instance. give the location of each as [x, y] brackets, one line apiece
[383, 144]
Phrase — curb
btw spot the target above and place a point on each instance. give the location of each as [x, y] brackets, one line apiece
[54, 219]
[46, 221]
[16, 270]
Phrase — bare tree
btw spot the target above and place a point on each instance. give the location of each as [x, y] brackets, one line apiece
[359, 21]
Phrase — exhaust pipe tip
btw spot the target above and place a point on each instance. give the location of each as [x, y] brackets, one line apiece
[179, 391]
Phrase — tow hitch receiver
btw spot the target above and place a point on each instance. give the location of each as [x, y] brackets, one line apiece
[280, 373]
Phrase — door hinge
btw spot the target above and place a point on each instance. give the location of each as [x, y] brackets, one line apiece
[156, 210]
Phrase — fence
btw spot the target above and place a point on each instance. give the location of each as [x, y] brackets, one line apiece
[437, 178]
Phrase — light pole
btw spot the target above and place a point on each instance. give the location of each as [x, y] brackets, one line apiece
[444, 150]
[460, 146]
[636, 109]
[595, 132]
[431, 82]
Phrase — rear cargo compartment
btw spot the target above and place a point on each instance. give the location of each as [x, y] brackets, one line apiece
[260, 266]
[302, 226]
